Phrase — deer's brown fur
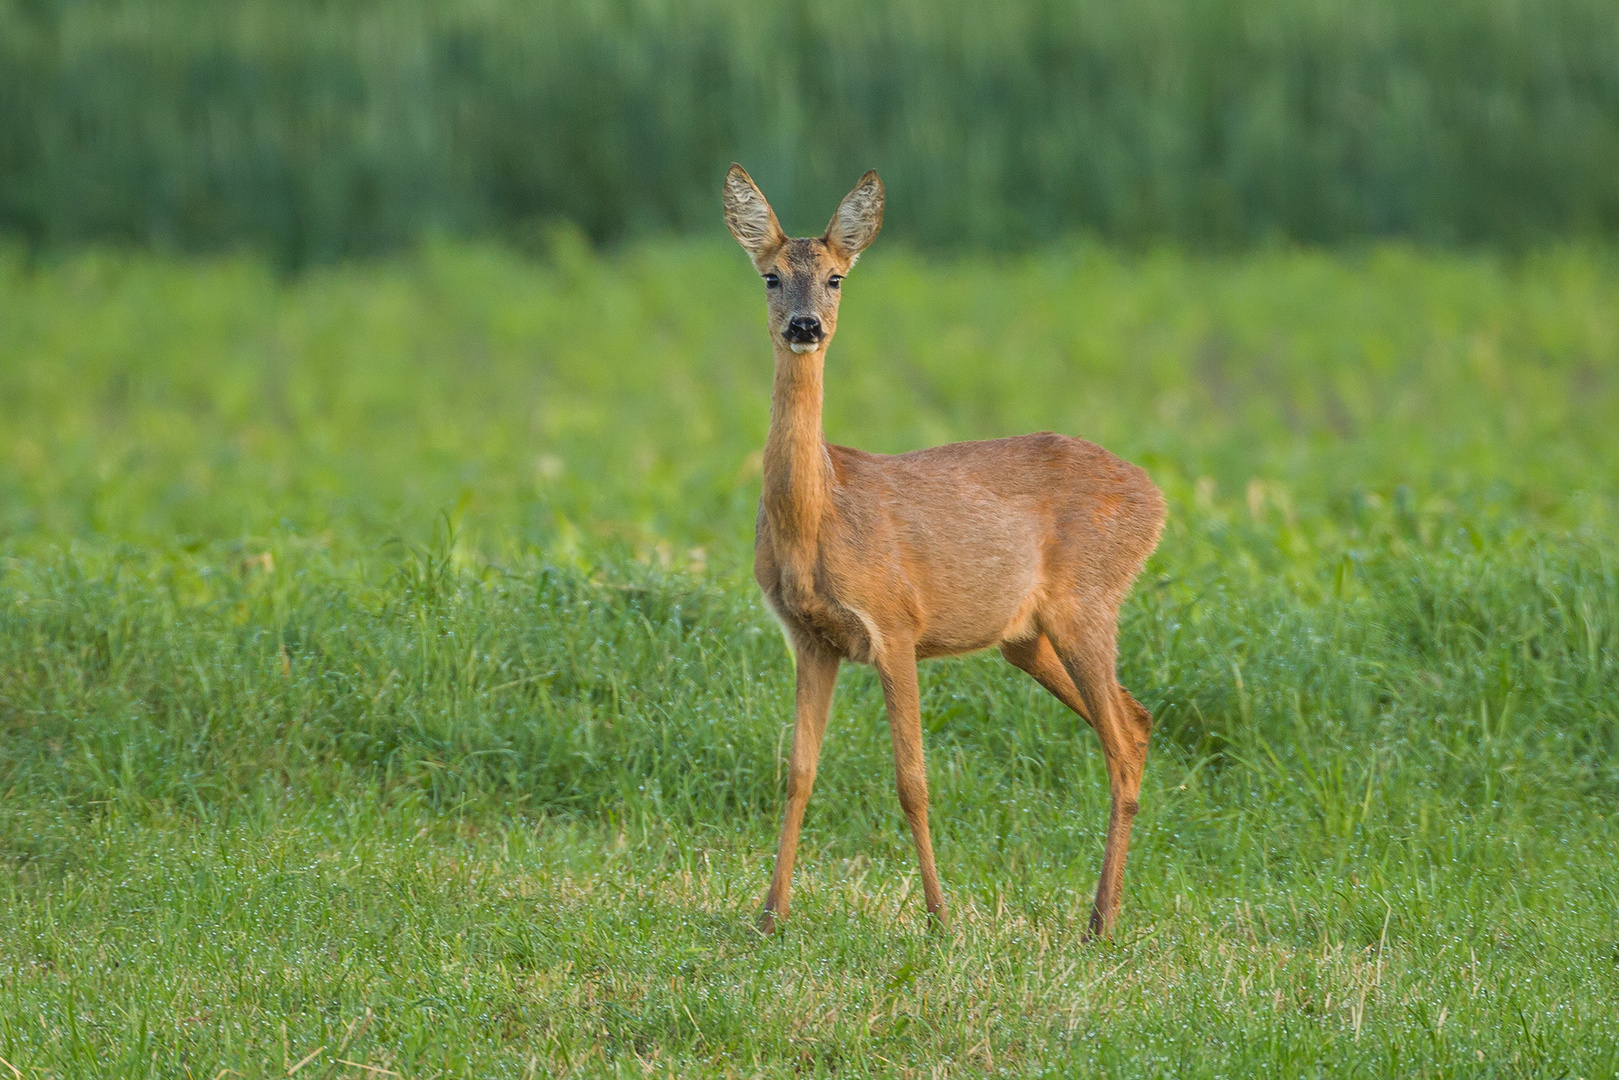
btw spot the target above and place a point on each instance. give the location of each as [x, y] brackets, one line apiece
[1027, 543]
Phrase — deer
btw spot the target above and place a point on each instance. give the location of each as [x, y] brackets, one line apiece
[1028, 543]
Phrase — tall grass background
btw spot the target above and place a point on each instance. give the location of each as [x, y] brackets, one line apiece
[319, 130]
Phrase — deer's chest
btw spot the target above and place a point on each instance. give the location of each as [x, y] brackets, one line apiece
[813, 609]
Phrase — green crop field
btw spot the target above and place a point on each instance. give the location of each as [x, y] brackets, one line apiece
[312, 130]
[383, 692]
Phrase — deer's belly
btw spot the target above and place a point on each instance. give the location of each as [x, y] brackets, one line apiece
[974, 628]
[965, 603]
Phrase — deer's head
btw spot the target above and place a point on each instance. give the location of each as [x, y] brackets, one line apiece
[803, 278]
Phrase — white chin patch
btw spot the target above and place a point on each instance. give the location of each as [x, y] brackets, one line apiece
[803, 346]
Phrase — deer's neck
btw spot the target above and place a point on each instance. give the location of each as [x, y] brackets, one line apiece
[797, 471]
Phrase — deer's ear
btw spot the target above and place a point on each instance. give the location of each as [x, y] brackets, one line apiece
[858, 217]
[749, 216]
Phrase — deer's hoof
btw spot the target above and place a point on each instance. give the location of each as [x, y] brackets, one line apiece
[766, 924]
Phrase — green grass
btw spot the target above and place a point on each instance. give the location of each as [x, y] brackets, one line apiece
[478, 773]
[310, 130]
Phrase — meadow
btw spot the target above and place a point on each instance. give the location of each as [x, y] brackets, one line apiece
[383, 691]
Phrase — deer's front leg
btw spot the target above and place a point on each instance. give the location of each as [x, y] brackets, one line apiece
[897, 666]
[817, 674]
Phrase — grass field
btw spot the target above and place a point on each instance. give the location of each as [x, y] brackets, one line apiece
[382, 690]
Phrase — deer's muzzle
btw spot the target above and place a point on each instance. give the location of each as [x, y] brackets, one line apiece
[804, 330]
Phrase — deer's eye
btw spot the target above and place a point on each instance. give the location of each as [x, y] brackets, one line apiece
[834, 281]
[771, 281]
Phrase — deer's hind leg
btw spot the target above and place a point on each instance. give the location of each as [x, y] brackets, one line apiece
[1039, 659]
[1075, 659]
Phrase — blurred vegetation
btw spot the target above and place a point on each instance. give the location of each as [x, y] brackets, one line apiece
[315, 130]
[582, 403]
[1325, 428]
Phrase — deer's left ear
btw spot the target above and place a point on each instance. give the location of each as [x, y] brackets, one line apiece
[858, 218]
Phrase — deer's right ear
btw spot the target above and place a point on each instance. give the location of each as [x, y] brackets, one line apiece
[749, 216]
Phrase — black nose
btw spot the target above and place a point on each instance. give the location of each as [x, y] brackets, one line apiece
[805, 328]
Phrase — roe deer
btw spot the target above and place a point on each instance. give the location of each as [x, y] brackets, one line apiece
[1028, 543]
